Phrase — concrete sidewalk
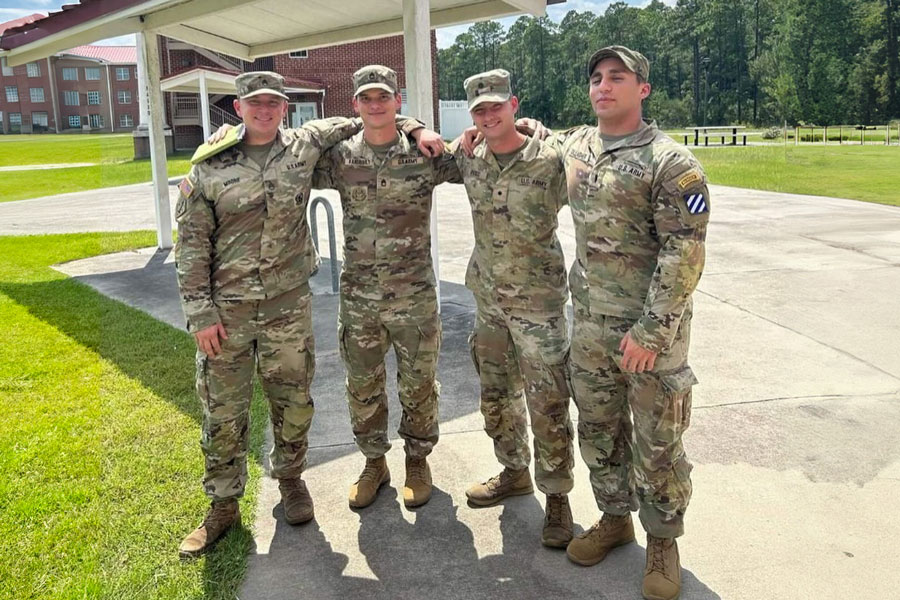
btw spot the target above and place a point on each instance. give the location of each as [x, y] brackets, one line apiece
[793, 437]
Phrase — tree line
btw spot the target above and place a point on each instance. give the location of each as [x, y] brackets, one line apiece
[712, 62]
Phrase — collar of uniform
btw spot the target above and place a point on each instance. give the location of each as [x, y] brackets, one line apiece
[641, 137]
[527, 152]
[400, 148]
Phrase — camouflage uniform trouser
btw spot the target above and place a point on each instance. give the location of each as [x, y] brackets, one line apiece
[516, 350]
[630, 424]
[366, 330]
[274, 336]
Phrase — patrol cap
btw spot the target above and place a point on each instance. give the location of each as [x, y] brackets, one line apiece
[490, 86]
[634, 60]
[255, 83]
[375, 77]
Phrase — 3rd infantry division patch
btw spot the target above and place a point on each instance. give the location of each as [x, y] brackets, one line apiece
[696, 203]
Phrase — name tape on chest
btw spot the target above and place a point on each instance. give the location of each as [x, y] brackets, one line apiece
[230, 182]
[354, 161]
[295, 165]
[409, 160]
[532, 182]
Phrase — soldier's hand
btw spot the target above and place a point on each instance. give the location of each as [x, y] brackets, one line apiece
[429, 142]
[219, 134]
[208, 340]
[468, 139]
[532, 128]
[635, 358]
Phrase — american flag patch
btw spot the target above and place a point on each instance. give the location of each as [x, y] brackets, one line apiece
[185, 187]
[696, 203]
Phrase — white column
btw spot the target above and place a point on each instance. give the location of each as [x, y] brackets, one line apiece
[149, 56]
[112, 101]
[204, 105]
[143, 108]
[417, 56]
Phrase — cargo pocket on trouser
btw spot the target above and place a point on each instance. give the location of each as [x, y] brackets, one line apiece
[473, 352]
[677, 386]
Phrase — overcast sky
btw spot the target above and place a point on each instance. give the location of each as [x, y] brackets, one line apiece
[13, 9]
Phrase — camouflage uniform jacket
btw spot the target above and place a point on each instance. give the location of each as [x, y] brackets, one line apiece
[517, 260]
[242, 230]
[640, 207]
[386, 206]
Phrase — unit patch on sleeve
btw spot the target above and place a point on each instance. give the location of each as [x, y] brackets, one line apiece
[696, 203]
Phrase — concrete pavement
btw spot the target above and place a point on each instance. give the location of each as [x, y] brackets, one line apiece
[793, 437]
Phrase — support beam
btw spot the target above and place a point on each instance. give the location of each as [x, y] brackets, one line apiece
[204, 39]
[143, 105]
[419, 97]
[538, 8]
[150, 59]
[204, 105]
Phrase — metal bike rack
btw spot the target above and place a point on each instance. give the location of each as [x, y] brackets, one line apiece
[314, 231]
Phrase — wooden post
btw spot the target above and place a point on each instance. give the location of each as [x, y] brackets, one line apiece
[841, 134]
[419, 97]
[150, 59]
[825, 136]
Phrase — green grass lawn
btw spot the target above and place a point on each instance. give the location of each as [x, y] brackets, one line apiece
[866, 173]
[100, 463]
[113, 155]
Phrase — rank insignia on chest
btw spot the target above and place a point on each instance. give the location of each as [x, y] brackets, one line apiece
[358, 193]
[185, 187]
[696, 203]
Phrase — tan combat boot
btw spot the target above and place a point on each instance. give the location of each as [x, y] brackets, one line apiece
[298, 504]
[557, 531]
[374, 475]
[222, 515]
[593, 545]
[507, 483]
[417, 489]
[662, 575]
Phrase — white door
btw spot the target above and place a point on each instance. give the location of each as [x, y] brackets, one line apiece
[301, 112]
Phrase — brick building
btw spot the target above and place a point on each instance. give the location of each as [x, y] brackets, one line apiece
[319, 81]
[89, 88]
[95, 88]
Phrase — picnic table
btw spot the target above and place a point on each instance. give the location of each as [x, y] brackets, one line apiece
[715, 131]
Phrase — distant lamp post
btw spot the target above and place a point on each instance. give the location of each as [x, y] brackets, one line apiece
[705, 63]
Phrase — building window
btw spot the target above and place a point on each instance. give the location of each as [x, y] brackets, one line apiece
[126, 121]
[12, 93]
[39, 119]
[70, 74]
[34, 69]
[70, 98]
[299, 54]
[93, 97]
[92, 73]
[15, 122]
[124, 97]
[74, 121]
[37, 94]
[7, 70]
[123, 73]
[96, 121]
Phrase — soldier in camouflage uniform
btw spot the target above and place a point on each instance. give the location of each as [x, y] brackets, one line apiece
[243, 259]
[387, 284]
[640, 205]
[516, 187]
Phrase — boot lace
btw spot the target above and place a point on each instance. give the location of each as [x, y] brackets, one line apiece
[415, 469]
[554, 510]
[658, 556]
[370, 472]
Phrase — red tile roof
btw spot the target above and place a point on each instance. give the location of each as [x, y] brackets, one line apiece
[21, 21]
[112, 54]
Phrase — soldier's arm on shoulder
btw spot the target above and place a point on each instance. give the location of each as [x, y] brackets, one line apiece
[558, 139]
[560, 188]
[407, 125]
[194, 251]
[325, 133]
[324, 173]
[446, 168]
[681, 214]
